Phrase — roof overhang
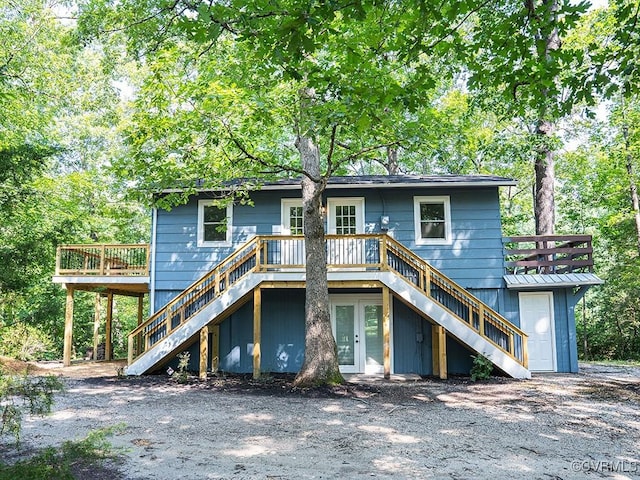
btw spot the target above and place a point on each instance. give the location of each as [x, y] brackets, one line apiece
[542, 281]
[370, 181]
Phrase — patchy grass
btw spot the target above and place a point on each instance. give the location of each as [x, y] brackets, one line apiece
[87, 458]
[616, 363]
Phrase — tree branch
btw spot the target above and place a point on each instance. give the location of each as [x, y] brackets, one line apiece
[455, 28]
[362, 151]
[274, 168]
[332, 145]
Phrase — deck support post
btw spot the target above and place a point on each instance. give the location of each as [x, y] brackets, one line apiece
[439, 349]
[107, 335]
[96, 328]
[386, 332]
[140, 308]
[257, 324]
[215, 347]
[204, 352]
[68, 328]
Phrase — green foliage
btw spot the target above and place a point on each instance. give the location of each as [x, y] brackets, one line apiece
[24, 394]
[25, 342]
[64, 463]
[182, 374]
[481, 369]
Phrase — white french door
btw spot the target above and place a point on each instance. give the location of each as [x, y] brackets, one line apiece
[357, 327]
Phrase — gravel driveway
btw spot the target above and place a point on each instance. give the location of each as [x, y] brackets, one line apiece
[554, 426]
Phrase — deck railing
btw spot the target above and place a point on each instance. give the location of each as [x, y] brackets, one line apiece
[350, 252]
[549, 254]
[100, 259]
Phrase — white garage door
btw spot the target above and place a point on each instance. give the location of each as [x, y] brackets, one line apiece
[536, 319]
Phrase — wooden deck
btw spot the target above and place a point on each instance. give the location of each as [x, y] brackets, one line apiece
[107, 270]
[548, 254]
[124, 269]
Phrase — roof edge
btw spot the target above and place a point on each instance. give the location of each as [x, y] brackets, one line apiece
[376, 181]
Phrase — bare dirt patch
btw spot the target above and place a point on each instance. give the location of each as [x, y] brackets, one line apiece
[18, 367]
[554, 426]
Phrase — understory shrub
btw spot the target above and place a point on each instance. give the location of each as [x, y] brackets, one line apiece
[24, 394]
[25, 342]
[481, 369]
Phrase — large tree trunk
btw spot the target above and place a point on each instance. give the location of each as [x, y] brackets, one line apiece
[633, 188]
[393, 167]
[544, 208]
[320, 365]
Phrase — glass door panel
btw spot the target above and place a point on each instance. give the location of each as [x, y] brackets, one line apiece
[346, 337]
[374, 358]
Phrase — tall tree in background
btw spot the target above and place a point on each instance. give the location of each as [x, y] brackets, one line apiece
[59, 111]
[517, 48]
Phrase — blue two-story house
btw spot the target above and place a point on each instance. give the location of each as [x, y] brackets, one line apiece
[420, 279]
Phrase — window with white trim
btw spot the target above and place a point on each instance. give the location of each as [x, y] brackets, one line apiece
[214, 224]
[292, 217]
[345, 215]
[432, 216]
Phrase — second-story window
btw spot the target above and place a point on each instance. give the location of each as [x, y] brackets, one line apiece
[295, 220]
[214, 224]
[432, 217]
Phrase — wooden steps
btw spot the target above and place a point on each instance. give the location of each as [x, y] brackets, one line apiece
[379, 259]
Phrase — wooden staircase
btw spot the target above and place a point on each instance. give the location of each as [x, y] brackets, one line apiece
[376, 258]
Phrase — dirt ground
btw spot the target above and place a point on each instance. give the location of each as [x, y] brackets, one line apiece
[554, 426]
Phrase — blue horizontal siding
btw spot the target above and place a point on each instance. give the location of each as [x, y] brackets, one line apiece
[282, 347]
[474, 258]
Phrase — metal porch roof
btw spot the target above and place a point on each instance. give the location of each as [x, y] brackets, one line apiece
[555, 280]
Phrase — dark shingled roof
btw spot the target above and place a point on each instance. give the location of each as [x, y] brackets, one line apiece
[373, 181]
[407, 180]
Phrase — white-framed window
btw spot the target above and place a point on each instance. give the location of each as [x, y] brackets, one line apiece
[345, 216]
[214, 224]
[292, 216]
[432, 217]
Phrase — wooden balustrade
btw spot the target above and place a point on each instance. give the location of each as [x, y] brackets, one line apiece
[370, 252]
[548, 254]
[103, 260]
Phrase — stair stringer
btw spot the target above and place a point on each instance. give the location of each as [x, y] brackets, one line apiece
[397, 284]
[461, 331]
[181, 335]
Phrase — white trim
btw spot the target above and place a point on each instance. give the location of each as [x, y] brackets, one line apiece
[152, 256]
[552, 326]
[222, 243]
[359, 301]
[446, 201]
[358, 202]
[285, 203]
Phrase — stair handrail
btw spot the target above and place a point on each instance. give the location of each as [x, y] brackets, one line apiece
[215, 272]
[484, 311]
[253, 248]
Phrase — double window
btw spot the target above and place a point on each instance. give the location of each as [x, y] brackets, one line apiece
[345, 216]
[214, 224]
[432, 217]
